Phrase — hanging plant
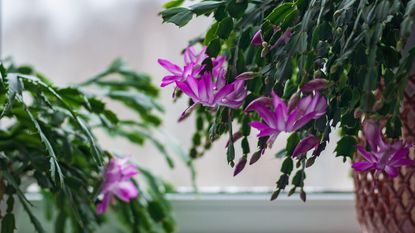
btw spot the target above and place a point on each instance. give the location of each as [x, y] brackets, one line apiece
[300, 67]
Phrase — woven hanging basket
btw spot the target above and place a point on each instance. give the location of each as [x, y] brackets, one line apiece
[386, 205]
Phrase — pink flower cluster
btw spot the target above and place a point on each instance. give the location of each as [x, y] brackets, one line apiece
[117, 183]
[208, 88]
[278, 117]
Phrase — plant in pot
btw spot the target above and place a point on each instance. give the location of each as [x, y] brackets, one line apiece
[49, 138]
[306, 67]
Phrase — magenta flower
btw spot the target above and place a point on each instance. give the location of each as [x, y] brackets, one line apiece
[382, 156]
[193, 66]
[315, 85]
[279, 118]
[208, 88]
[191, 56]
[117, 183]
[306, 144]
[211, 92]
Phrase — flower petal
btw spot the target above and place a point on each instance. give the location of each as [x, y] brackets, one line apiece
[363, 166]
[402, 153]
[103, 205]
[222, 93]
[174, 69]
[391, 171]
[277, 101]
[303, 121]
[169, 79]
[374, 135]
[367, 155]
[126, 191]
[184, 87]
[258, 125]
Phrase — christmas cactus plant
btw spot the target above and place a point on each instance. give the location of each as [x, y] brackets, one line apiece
[48, 138]
[301, 67]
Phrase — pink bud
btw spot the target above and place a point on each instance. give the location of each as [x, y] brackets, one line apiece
[187, 112]
[293, 101]
[287, 35]
[257, 38]
[239, 166]
[245, 76]
[255, 157]
[315, 85]
[235, 137]
[306, 144]
[261, 101]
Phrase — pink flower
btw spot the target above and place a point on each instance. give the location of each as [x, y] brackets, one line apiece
[279, 118]
[208, 88]
[117, 182]
[306, 144]
[383, 156]
[193, 65]
[212, 92]
[315, 85]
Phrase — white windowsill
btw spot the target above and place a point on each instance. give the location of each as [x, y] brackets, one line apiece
[254, 213]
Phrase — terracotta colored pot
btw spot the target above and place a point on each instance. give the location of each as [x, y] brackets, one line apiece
[387, 205]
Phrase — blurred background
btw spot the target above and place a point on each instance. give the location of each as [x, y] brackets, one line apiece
[71, 40]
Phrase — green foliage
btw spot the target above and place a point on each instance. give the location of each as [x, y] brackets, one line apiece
[360, 47]
[48, 136]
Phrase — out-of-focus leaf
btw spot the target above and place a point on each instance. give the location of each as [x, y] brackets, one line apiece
[177, 15]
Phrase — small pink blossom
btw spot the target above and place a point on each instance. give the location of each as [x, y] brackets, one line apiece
[383, 156]
[277, 117]
[117, 183]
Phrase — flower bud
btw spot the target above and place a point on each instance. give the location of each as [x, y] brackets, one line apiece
[240, 166]
[357, 113]
[315, 85]
[257, 38]
[255, 157]
[305, 145]
[245, 75]
[293, 101]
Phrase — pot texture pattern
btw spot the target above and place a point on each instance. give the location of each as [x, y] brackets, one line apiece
[386, 205]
